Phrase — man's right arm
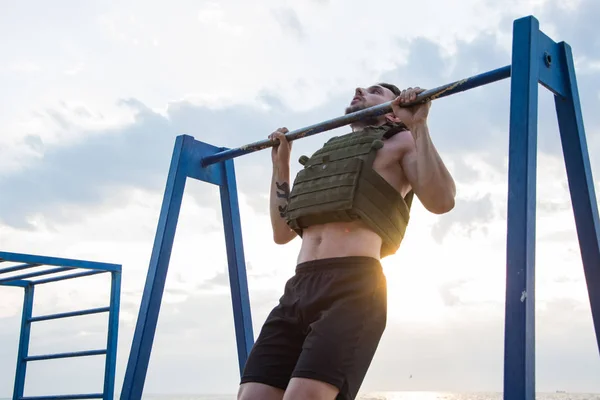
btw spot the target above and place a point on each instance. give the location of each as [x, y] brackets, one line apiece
[280, 192]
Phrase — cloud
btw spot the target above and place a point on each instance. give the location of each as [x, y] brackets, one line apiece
[576, 22]
[448, 293]
[467, 121]
[136, 155]
[468, 214]
[289, 21]
[98, 171]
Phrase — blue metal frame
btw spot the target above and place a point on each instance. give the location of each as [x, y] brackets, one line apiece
[536, 59]
[519, 366]
[186, 163]
[27, 261]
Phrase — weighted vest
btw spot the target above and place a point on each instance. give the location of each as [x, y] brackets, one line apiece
[338, 184]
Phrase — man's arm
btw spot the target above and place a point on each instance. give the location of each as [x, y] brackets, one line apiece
[280, 192]
[430, 179]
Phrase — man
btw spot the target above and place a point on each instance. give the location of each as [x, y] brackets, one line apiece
[350, 204]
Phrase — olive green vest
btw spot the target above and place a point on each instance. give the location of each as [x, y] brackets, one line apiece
[338, 184]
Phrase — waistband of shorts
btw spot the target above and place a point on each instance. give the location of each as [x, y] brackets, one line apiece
[338, 262]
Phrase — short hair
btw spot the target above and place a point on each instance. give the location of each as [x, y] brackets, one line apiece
[393, 88]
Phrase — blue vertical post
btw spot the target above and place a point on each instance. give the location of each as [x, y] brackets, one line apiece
[236, 264]
[23, 343]
[141, 347]
[581, 182]
[113, 335]
[186, 163]
[519, 345]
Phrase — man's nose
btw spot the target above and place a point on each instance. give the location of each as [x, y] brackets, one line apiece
[359, 91]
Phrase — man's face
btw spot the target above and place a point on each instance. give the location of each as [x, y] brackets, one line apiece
[369, 97]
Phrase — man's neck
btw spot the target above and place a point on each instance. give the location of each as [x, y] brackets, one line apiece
[360, 126]
[393, 127]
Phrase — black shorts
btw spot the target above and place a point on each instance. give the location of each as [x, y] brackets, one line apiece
[327, 326]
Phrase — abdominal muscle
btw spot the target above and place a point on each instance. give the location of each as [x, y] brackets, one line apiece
[339, 239]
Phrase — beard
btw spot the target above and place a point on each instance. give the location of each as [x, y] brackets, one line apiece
[365, 121]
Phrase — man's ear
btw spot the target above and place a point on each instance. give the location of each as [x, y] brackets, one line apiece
[391, 117]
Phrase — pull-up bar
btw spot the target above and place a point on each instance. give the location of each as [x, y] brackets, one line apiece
[375, 111]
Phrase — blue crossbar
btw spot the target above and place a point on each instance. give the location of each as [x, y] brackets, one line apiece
[69, 276]
[70, 314]
[34, 274]
[18, 268]
[66, 355]
[56, 261]
[65, 397]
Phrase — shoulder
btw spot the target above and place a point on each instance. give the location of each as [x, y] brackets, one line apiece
[402, 141]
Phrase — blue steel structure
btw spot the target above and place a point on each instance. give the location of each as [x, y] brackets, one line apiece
[61, 269]
[536, 59]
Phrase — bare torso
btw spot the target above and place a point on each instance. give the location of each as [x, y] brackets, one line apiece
[355, 238]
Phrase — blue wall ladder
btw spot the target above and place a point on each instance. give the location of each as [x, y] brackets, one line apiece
[536, 59]
[61, 265]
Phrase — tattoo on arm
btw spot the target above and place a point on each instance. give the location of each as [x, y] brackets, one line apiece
[282, 211]
[283, 192]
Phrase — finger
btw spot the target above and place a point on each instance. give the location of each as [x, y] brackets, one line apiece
[281, 137]
[274, 136]
[419, 91]
[410, 93]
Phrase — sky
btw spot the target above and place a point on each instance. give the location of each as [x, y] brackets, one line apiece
[95, 93]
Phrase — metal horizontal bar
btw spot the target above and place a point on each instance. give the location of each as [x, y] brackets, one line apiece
[16, 283]
[70, 276]
[65, 397]
[32, 274]
[378, 110]
[70, 314]
[66, 355]
[56, 261]
[18, 268]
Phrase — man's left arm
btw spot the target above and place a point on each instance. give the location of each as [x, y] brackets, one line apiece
[426, 172]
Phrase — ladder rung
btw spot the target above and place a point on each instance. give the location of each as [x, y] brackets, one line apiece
[18, 268]
[70, 314]
[34, 274]
[65, 397]
[66, 355]
[65, 277]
